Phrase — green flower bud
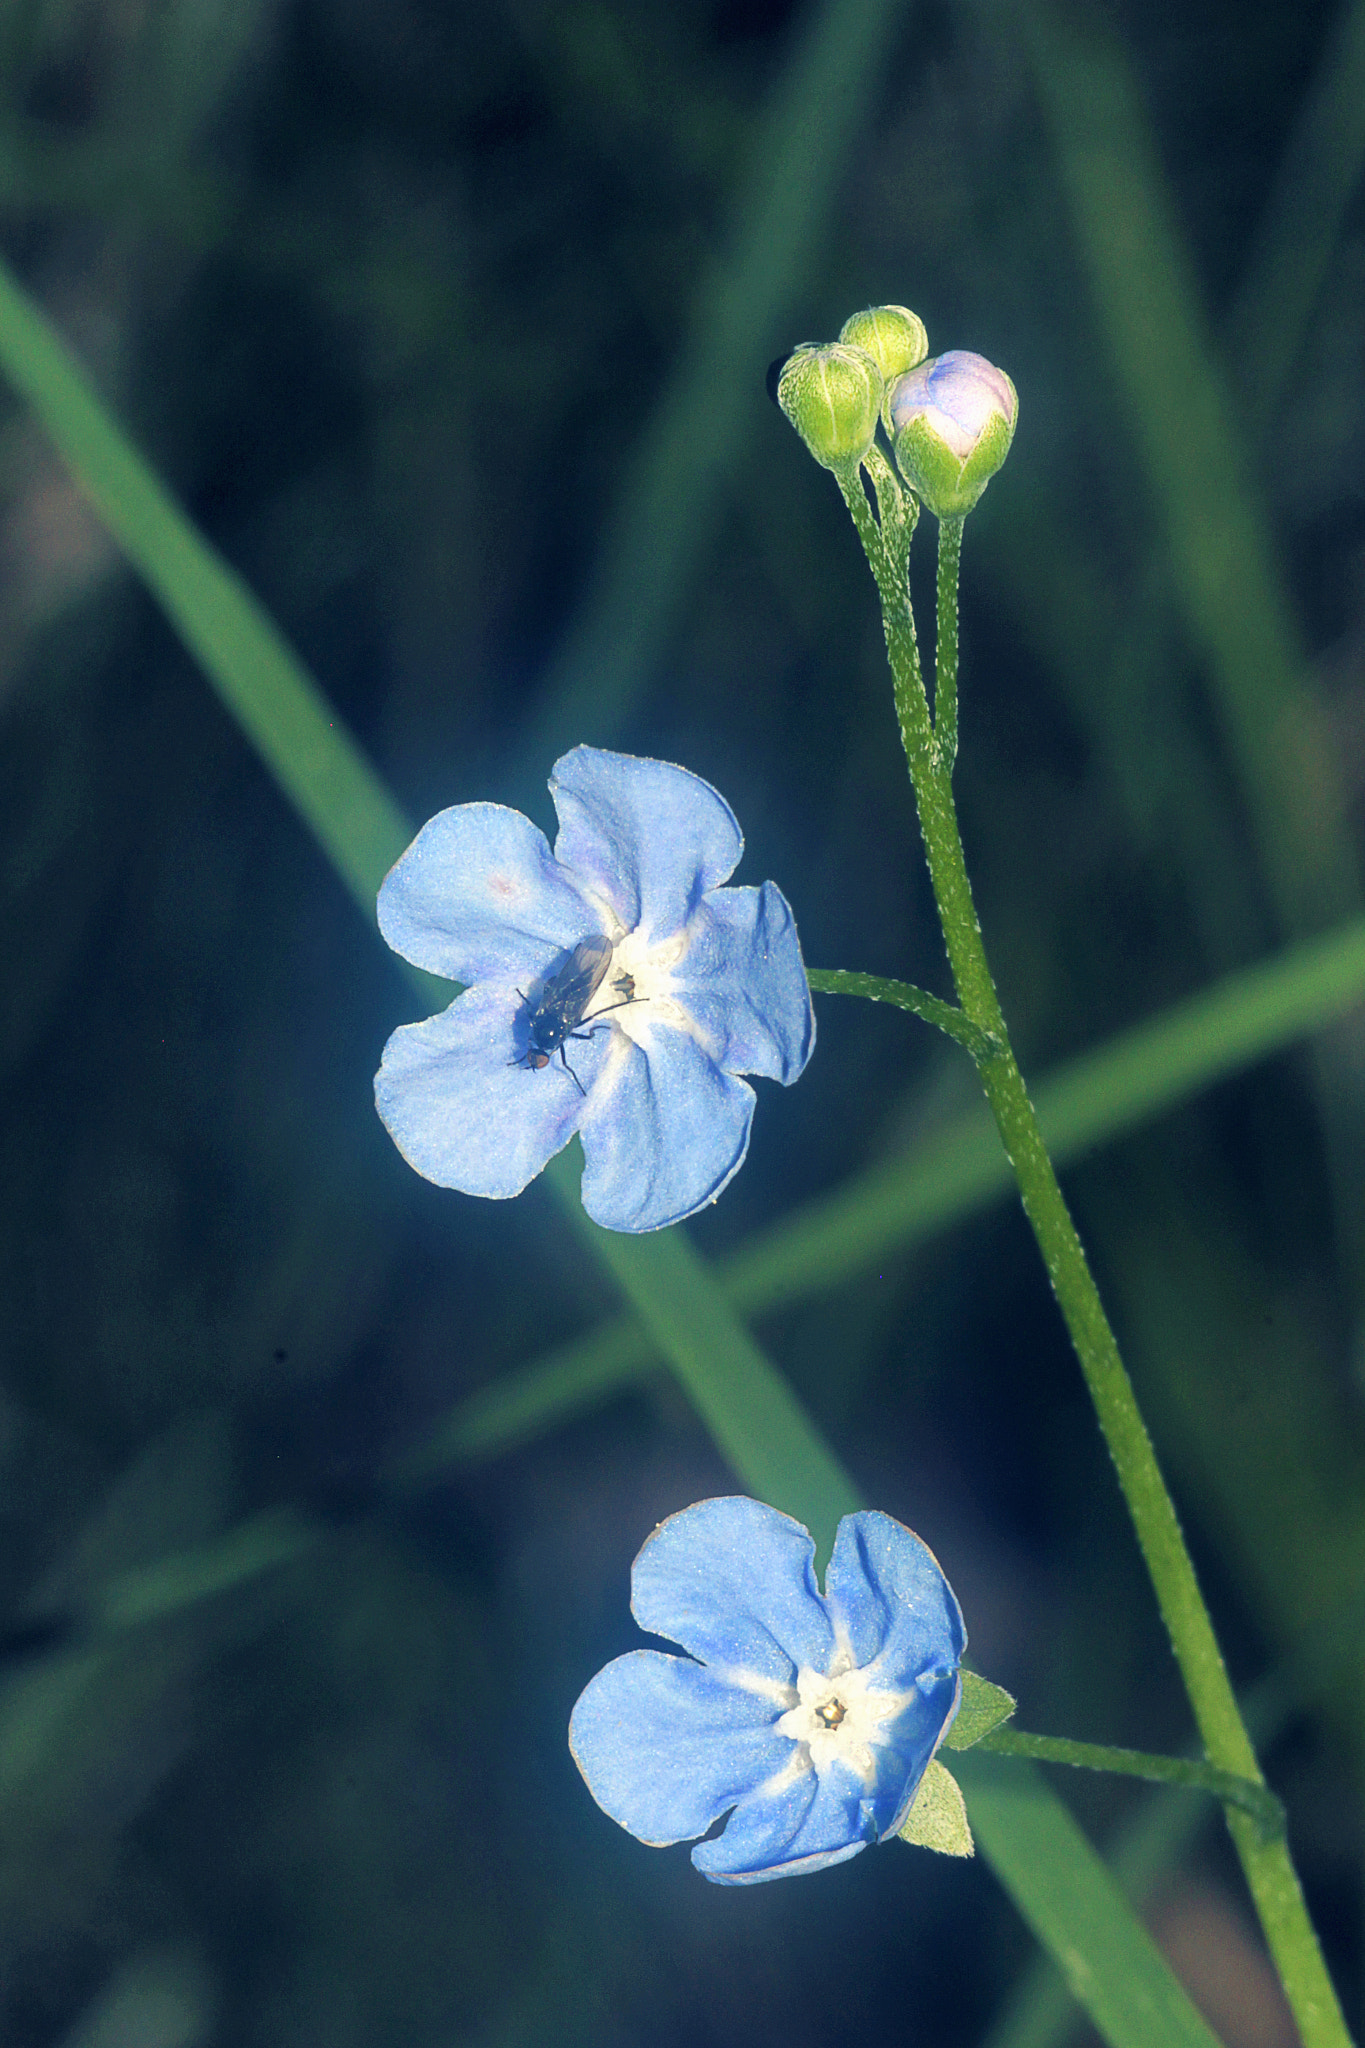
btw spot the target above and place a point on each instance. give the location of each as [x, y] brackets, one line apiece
[951, 422]
[893, 336]
[832, 396]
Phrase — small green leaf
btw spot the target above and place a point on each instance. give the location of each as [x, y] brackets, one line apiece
[938, 1818]
[984, 1706]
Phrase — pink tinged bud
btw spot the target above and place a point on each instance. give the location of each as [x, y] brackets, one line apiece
[952, 421]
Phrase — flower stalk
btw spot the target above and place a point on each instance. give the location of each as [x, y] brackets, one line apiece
[930, 743]
[945, 659]
[876, 988]
[1248, 1794]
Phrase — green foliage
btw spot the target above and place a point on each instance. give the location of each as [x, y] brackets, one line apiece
[1077, 1911]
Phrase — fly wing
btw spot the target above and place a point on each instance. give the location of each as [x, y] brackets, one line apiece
[579, 979]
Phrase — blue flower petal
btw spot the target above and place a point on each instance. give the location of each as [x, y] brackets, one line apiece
[665, 1746]
[786, 1832]
[664, 1132]
[478, 896]
[914, 1736]
[462, 1112]
[887, 1590]
[648, 837]
[743, 981]
[733, 1581]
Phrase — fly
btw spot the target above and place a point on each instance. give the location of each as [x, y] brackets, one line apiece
[562, 1006]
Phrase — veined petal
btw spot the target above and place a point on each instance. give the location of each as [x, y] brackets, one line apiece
[785, 1832]
[663, 1133]
[733, 1581]
[459, 1108]
[886, 1590]
[478, 896]
[665, 1745]
[743, 981]
[648, 837]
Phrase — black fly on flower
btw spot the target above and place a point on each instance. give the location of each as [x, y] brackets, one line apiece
[631, 912]
[562, 1005]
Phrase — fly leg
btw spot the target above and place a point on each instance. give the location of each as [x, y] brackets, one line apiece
[626, 1003]
[591, 1022]
[569, 1070]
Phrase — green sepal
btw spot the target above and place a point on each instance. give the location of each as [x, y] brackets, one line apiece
[938, 1818]
[949, 484]
[984, 1706]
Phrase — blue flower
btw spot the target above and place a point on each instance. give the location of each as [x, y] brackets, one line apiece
[618, 990]
[809, 1719]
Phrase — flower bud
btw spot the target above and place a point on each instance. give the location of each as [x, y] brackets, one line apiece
[951, 421]
[832, 396]
[893, 336]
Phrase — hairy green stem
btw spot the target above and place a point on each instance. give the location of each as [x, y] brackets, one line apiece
[1230, 1786]
[897, 508]
[845, 981]
[890, 565]
[945, 661]
[1270, 1872]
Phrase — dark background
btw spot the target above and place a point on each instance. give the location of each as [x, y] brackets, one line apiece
[427, 312]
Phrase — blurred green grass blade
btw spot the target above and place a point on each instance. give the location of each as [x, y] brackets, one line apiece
[1249, 1014]
[151, 1593]
[902, 1202]
[1318, 175]
[905, 1201]
[677, 473]
[739, 1394]
[298, 735]
[752, 1414]
[1089, 1102]
[524, 1404]
[744, 1401]
[1040, 2011]
[1064, 1891]
[1183, 422]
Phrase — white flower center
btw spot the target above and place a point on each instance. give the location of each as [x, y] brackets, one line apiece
[840, 1718]
[638, 987]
